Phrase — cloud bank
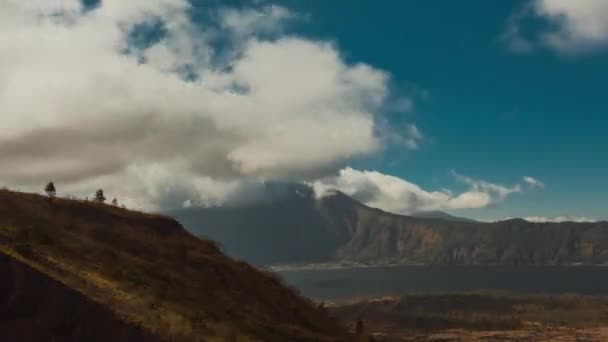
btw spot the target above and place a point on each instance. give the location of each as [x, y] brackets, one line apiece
[137, 98]
[558, 219]
[397, 195]
[568, 27]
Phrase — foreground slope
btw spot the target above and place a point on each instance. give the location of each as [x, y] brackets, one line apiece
[59, 312]
[338, 228]
[142, 274]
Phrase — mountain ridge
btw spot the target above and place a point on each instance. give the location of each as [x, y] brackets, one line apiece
[338, 228]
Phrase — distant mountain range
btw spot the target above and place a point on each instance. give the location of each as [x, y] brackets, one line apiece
[292, 226]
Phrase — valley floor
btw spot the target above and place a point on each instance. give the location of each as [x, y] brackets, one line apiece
[532, 333]
[480, 316]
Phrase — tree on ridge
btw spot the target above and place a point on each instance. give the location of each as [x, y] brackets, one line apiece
[99, 196]
[50, 190]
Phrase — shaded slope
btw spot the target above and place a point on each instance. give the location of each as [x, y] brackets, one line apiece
[284, 227]
[304, 229]
[148, 271]
[34, 307]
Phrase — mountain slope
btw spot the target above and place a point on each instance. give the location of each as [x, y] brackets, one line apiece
[284, 227]
[60, 313]
[436, 214]
[146, 272]
[303, 229]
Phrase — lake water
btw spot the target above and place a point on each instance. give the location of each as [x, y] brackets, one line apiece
[339, 284]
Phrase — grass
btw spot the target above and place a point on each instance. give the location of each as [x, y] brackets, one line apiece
[478, 311]
[150, 272]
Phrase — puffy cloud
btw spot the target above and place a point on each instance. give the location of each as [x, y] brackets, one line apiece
[569, 26]
[159, 120]
[558, 219]
[397, 195]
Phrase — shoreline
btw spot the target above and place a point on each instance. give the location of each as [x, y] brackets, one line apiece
[331, 266]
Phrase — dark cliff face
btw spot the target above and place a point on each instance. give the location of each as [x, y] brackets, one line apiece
[34, 307]
[305, 229]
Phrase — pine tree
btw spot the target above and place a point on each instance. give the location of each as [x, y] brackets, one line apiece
[50, 190]
[99, 196]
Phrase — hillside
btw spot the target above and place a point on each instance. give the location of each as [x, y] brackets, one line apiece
[72, 270]
[298, 228]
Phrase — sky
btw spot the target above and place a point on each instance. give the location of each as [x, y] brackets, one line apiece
[483, 109]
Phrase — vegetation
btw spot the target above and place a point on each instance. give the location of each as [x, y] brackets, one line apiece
[477, 311]
[50, 190]
[99, 196]
[153, 274]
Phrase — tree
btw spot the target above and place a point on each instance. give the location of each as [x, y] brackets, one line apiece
[50, 190]
[115, 202]
[99, 197]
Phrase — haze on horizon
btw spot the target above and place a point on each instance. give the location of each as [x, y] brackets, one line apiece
[482, 110]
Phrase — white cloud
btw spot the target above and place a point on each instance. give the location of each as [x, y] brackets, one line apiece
[413, 136]
[569, 26]
[533, 182]
[500, 191]
[269, 19]
[397, 195]
[408, 136]
[558, 219]
[81, 105]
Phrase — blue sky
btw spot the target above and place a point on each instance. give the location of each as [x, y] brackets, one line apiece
[485, 109]
[490, 113]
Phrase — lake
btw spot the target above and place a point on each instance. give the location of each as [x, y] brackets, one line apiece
[366, 282]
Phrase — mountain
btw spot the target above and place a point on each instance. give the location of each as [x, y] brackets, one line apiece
[287, 226]
[440, 215]
[79, 271]
[296, 227]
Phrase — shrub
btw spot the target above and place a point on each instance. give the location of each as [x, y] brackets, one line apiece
[50, 190]
[99, 196]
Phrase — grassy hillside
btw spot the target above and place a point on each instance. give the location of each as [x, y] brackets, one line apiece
[148, 271]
